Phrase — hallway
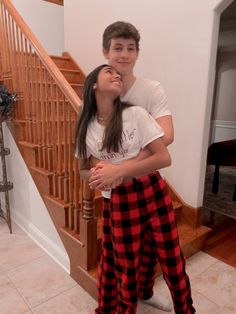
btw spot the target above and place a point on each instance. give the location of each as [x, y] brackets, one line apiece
[32, 282]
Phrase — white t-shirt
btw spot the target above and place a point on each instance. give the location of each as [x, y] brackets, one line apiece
[150, 95]
[139, 129]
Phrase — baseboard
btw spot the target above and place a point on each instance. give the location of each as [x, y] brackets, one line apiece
[53, 250]
[222, 130]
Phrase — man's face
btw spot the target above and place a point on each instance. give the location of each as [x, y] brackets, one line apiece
[122, 55]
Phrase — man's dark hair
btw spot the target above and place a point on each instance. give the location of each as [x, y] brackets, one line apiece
[120, 29]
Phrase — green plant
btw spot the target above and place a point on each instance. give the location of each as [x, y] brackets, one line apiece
[6, 103]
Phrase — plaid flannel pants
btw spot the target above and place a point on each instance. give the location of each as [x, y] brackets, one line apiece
[138, 207]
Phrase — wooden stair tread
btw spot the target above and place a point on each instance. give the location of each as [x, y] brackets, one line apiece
[60, 57]
[42, 171]
[188, 234]
[70, 70]
[177, 205]
[27, 144]
[72, 234]
[57, 201]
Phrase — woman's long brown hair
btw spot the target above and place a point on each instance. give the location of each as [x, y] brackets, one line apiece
[112, 140]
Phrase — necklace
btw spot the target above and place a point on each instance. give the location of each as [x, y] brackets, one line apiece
[102, 119]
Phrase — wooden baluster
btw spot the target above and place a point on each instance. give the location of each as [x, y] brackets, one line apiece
[76, 195]
[60, 145]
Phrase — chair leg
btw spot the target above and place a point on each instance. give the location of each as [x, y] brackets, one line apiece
[215, 185]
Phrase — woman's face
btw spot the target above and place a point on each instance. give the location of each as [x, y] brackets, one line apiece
[109, 81]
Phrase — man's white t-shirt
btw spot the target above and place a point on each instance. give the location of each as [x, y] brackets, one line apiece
[148, 94]
[139, 129]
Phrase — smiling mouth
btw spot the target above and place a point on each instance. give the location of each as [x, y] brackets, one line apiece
[123, 62]
[117, 82]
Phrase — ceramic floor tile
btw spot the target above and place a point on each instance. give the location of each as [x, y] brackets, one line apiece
[203, 305]
[218, 284]
[10, 299]
[40, 280]
[148, 309]
[199, 263]
[4, 230]
[73, 301]
[142, 308]
[17, 249]
[160, 289]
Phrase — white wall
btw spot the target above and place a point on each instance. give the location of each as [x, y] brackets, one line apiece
[27, 207]
[178, 47]
[46, 20]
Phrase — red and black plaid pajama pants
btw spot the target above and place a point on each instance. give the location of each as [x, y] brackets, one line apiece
[136, 207]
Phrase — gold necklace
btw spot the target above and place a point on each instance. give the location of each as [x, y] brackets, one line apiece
[103, 119]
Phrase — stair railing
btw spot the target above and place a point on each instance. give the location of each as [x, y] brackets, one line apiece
[47, 108]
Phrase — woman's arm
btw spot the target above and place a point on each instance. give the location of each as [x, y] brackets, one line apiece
[105, 175]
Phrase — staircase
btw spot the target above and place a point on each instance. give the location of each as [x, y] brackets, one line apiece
[49, 99]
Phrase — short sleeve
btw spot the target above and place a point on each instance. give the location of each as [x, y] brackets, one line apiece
[148, 129]
[158, 101]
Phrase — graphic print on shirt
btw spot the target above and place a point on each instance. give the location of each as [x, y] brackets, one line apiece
[127, 138]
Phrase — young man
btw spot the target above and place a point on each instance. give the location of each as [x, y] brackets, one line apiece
[121, 49]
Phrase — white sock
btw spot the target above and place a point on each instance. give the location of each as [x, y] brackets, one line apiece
[160, 303]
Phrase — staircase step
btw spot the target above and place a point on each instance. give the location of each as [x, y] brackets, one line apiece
[43, 179]
[29, 153]
[72, 234]
[192, 240]
[63, 62]
[57, 210]
[178, 209]
[72, 76]
[78, 88]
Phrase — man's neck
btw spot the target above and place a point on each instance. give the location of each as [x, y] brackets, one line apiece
[128, 81]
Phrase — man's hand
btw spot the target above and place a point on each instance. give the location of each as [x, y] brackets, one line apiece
[105, 176]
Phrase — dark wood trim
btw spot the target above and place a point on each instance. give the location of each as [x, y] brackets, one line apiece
[60, 2]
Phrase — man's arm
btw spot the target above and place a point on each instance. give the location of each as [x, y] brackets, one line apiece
[166, 124]
[105, 175]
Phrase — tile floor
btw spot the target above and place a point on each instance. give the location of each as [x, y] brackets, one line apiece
[31, 282]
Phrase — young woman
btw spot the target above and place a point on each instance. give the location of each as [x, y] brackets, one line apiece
[113, 131]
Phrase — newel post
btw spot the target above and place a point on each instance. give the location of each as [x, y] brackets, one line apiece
[88, 228]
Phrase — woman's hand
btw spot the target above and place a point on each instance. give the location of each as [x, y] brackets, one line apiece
[105, 176]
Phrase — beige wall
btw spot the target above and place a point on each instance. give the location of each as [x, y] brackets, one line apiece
[46, 20]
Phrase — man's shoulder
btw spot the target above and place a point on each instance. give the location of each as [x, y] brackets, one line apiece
[141, 81]
[133, 110]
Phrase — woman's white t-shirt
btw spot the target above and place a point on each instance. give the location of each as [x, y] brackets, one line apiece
[139, 129]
